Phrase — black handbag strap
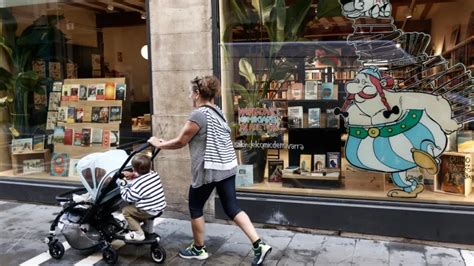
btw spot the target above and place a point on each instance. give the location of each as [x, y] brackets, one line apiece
[215, 111]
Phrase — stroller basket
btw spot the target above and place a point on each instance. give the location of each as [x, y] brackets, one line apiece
[78, 236]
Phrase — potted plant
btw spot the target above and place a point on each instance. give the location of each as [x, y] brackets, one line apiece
[17, 79]
[282, 24]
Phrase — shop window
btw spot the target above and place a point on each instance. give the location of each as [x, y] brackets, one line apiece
[329, 101]
[81, 76]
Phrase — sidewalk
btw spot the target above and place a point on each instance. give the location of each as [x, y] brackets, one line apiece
[26, 225]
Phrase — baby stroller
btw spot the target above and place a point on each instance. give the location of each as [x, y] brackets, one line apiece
[86, 219]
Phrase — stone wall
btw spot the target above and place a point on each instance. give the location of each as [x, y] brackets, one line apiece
[181, 48]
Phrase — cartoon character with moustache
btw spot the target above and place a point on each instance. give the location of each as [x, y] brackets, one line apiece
[393, 132]
[366, 8]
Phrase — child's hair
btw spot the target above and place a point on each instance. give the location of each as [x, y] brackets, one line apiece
[141, 164]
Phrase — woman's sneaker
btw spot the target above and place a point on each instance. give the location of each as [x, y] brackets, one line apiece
[192, 252]
[260, 253]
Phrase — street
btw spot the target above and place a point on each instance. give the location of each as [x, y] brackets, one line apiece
[26, 225]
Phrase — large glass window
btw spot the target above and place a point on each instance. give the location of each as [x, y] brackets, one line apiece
[370, 102]
[73, 81]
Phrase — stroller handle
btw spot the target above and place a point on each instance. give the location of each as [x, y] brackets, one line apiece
[138, 150]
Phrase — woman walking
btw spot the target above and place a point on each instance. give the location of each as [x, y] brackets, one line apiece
[213, 165]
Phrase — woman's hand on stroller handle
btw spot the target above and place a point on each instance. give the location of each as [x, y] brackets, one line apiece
[155, 141]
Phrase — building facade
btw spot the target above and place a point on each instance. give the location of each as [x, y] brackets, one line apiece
[343, 117]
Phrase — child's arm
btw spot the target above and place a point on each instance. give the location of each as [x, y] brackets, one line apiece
[128, 194]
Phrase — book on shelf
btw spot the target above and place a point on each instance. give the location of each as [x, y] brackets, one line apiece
[105, 138]
[86, 137]
[275, 170]
[292, 170]
[109, 91]
[22, 145]
[100, 114]
[66, 91]
[71, 114]
[33, 166]
[58, 135]
[244, 176]
[454, 175]
[57, 86]
[114, 138]
[79, 115]
[51, 120]
[96, 137]
[82, 92]
[55, 70]
[115, 113]
[40, 98]
[465, 141]
[38, 142]
[311, 90]
[295, 116]
[333, 160]
[100, 91]
[54, 101]
[305, 163]
[319, 162]
[59, 164]
[68, 136]
[314, 117]
[62, 114]
[327, 91]
[78, 138]
[296, 91]
[332, 120]
[74, 96]
[120, 91]
[91, 92]
[87, 114]
[73, 168]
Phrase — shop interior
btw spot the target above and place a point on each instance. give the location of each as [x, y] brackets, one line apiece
[92, 91]
[311, 158]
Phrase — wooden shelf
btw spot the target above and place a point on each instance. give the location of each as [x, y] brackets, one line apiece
[92, 103]
[110, 126]
[79, 151]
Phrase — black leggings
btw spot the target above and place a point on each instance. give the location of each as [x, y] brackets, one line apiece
[225, 190]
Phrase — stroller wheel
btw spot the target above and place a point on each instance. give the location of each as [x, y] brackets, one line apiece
[110, 255]
[158, 254]
[56, 249]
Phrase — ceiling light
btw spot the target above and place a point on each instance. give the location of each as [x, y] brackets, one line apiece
[409, 15]
[398, 45]
[110, 7]
[143, 16]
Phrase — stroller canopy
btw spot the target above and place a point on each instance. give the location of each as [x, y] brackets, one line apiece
[95, 167]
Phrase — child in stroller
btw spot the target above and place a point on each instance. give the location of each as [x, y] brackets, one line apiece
[87, 221]
[145, 193]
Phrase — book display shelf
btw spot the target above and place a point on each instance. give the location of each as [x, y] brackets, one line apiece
[88, 120]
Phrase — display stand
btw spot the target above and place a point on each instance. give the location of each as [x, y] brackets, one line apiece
[79, 151]
[18, 158]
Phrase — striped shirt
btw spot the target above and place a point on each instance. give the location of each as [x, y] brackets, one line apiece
[146, 192]
[220, 153]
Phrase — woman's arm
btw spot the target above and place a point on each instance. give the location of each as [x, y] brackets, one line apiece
[189, 130]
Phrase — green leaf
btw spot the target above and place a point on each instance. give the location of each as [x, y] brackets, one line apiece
[239, 12]
[295, 15]
[6, 47]
[242, 91]
[246, 71]
[329, 8]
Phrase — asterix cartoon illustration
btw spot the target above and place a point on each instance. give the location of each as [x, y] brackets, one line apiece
[393, 128]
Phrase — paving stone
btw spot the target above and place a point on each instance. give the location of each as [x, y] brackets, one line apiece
[369, 252]
[336, 251]
[468, 257]
[443, 256]
[406, 254]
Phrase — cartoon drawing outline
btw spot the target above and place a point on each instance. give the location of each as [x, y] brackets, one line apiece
[394, 128]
